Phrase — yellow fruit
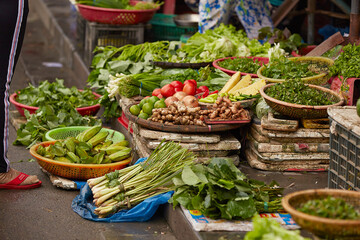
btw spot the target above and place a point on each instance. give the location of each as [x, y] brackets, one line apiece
[231, 83]
[253, 89]
[244, 82]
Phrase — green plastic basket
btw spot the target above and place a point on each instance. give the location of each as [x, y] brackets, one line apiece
[63, 133]
[164, 28]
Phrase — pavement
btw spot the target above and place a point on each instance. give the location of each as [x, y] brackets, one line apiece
[50, 51]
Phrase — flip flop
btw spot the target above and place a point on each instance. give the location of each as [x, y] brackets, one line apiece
[15, 183]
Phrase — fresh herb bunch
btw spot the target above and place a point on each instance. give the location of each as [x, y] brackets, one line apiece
[245, 65]
[347, 64]
[295, 91]
[330, 207]
[221, 190]
[55, 94]
[47, 118]
[283, 68]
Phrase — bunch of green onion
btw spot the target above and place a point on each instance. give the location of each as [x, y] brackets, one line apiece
[125, 188]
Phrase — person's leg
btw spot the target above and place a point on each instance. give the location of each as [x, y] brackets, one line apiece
[13, 19]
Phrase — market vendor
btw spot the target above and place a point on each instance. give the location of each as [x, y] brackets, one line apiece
[253, 14]
[13, 18]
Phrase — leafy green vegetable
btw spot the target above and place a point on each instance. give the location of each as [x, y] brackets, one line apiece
[330, 207]
[119, 4]
[347, 64]
[295, 91]
[245, 65]
[266, 229]
[47, 118]
[221, 190]
[283, 68]
[55, 94]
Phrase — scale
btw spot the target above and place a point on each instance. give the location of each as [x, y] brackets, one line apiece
[187, 20]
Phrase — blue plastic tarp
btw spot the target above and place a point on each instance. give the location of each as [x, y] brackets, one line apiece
[84, 206]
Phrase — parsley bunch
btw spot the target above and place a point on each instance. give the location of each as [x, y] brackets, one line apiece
[347, 64]
[245, 65]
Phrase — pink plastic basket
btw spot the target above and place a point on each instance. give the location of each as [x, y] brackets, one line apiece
[116, 16]
[262, 60]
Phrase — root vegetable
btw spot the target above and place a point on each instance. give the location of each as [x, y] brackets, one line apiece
[180, 95]
[170, 100]
[190, 101]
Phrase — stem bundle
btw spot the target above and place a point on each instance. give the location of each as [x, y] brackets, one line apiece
[127, 187]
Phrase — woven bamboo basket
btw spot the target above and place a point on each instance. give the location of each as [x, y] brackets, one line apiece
[324, 227]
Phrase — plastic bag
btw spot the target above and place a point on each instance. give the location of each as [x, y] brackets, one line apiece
[84, 206]
[263, 109]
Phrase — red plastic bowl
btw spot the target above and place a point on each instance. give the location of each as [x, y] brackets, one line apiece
[116, 16]
[84, 111]
[262, 60]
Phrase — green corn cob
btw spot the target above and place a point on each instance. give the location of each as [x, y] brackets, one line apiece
[73, 158]
[88, 133]
[84, 145]
[106, 160]
[120, 155]
[70, 144]
[98, 138]
[99, 157]
[98, 147]
[88, 160]
[113, 149]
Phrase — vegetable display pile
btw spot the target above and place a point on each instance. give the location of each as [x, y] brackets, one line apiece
[270, 229]
[295, 91]
[55, 94]
[245, 65]
[330, 207]
[283, 68]
[221, 190]
[127, 187]
[119, 4]
[88, 147]
[225, 109]
[347, 64]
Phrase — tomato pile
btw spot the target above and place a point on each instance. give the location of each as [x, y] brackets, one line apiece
[189, 87]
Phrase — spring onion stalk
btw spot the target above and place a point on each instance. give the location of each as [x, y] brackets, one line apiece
[124, 189]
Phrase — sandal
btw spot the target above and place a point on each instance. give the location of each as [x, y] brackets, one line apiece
[15, 183]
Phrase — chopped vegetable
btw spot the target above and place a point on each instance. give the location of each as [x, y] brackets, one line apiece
[295, 91]
[330, 207]
[347, 64]
[241, 64]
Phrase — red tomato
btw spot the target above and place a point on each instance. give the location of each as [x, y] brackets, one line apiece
[191, 81]
[189, 89]
[177, 84]
[160, 96]
[203, 88]
[178, 89]
[156, 91]
[167, 90]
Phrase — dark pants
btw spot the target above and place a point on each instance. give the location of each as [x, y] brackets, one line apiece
[13, 14]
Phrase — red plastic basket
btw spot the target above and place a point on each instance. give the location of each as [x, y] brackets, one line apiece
[262, 60]
[84, 111]
[116, 16]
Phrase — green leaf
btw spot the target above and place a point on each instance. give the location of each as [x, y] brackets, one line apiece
[244, 208]
[189, 177]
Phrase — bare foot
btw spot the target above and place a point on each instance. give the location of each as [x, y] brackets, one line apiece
[12, 174]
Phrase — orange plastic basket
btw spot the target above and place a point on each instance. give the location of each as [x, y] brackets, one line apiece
[116, 16]
[72, 170]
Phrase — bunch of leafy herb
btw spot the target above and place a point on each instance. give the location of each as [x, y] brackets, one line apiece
[347, 64]
[330, 207]
[220, 190]
[266, 229]
[283, 68]
[245, 65]
[55, 94]
[47, 118]
[289, 42]
[295, 91]
[118, 4]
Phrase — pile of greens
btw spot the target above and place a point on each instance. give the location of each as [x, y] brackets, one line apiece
[270, 229]
[283, 68]
[55, 94]
[119, 4]
[347, 64]
[295, 91]
[46, 118]
[245, 65]
[330, 207]
[223, 41]
[221, 190]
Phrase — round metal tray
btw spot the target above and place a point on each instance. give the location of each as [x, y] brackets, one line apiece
[187, 20]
